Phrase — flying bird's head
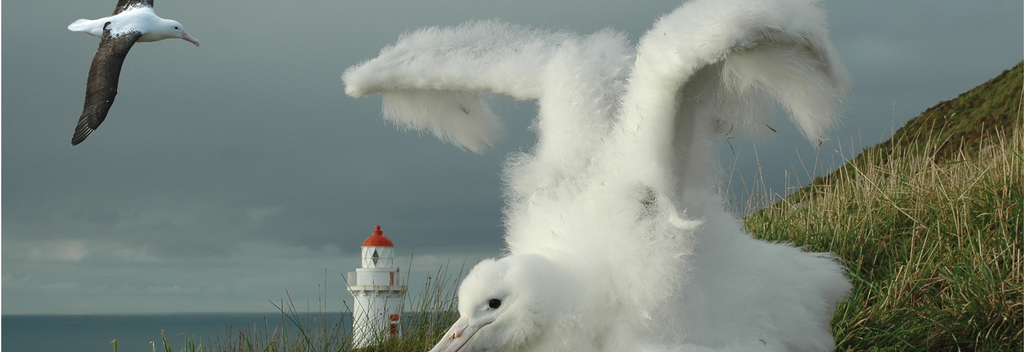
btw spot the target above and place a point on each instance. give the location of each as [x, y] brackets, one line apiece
[167, 29]
[505, 304]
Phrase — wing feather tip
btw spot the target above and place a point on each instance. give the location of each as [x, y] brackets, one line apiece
[80, 135]
[83, 129]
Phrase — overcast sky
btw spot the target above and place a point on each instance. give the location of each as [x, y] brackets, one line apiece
[227, 174]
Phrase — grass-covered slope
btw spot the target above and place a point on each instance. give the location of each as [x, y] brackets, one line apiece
[962, 124]
[951, 129]
[929, 225]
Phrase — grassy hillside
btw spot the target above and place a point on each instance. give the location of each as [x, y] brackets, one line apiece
[949, 130]
[929, 225]
[960, 125]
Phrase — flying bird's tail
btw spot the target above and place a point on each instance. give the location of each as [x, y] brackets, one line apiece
[78, 26]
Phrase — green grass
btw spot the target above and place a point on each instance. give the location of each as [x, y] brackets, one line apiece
[929, 225]
[933, 249]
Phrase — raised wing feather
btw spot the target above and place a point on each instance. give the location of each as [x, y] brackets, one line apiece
[708, 66]
[433, 79]
[704, 67]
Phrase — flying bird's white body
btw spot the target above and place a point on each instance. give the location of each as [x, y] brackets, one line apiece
[140, 19]
[618, 240]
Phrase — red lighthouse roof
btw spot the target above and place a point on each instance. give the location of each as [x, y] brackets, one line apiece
[377, 239]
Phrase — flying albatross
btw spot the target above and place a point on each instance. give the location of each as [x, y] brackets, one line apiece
[616, 237]
[132, 21]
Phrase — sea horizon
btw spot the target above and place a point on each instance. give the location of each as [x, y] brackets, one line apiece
[136, 331]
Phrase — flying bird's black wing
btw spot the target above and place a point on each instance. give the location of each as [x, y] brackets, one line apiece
[125, 4]
[102, 85]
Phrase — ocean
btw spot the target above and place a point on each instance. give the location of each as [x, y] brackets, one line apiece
[93, 333]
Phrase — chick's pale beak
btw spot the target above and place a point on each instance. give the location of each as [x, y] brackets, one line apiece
[189, 38]
[457, 336]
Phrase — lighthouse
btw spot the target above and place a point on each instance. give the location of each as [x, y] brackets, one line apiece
[378, 292]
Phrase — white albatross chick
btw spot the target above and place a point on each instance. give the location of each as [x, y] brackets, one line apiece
[506, 304]
[617, 239]
[133, 21]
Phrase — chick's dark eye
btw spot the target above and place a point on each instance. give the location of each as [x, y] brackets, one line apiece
[175, 27]
[494, 303]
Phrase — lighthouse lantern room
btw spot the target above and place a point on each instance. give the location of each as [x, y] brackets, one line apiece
[378, 292]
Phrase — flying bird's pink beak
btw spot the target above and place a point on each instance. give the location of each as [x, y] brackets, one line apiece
[189, 38]
[457, 336]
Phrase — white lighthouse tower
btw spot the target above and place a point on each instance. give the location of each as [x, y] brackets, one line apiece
[378, 292]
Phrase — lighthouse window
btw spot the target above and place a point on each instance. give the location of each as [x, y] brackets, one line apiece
[376, 257]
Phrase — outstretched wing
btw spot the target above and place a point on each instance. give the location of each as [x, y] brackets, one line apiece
[710, 65]
[705, 66]
[433, 79]
[102, 85]
[127, 4]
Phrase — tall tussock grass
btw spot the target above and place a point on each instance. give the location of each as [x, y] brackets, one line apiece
[933, 248]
